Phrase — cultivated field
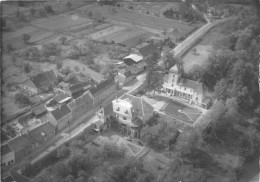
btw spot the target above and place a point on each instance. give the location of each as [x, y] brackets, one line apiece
[60, 22]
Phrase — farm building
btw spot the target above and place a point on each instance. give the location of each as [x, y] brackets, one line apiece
[192, 91]
[134, 63]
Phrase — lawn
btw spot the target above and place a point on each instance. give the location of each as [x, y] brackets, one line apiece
[60, 22]
[199, 58]
[181, 111]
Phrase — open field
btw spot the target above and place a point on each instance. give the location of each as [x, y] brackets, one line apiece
[181, 111]
[60, 22]
[199, 58]
[106, 32]
[136, 18]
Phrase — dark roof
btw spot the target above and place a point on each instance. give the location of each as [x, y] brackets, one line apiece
[80, 87]
[61, 112]
[139, 103]
[44, 79]
[25, 118]
[5, 149]
[39, 132]
[148, 50]
[16, 177]
[39, 109]
[60, 97]
[20, 143]
[108, 109]
[101, 86]
[196, 86]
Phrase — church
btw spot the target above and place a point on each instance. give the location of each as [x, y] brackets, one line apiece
[192, 91]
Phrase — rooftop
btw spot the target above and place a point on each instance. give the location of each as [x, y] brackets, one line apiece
[196, 86]
[134, 57]
[5, 149]
[139, 103]
[80, 86]
[148, 50]
[39, 133]
[20, 143]
[39, 109]
[102, 85]
[61, 97]
[60, 112]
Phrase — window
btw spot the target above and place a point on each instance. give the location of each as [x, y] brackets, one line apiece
[184, 88]
[173, 76]
[124, 118]
[12, 161]
[117, 109]
[126, 112]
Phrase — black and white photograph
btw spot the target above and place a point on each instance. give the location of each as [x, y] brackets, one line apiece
[130, 90]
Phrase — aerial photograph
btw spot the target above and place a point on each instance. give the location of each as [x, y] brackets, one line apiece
[130, 90]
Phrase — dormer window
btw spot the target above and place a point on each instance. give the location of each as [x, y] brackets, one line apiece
[117, 109]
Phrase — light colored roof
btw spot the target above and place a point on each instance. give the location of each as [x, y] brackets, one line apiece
[175, 69]
[139, 103]
[134, 57]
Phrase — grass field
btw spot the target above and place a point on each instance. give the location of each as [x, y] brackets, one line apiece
[106, 32]
[182, 112]
[60, 22]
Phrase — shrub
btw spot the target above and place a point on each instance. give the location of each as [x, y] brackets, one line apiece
[42, 12]
[48, 8]
[50, 49]
[9, 48]
[22, 99]
[63, 152]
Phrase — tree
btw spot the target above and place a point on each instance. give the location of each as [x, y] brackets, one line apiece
[26, 38]
[63, 39]
[22, 99]
[48, 8]
[27, 68]
[9, 47]
[59, 65]
[32, 11]
[42, 12]
[50, 49]
[63, 152]
[68, 4]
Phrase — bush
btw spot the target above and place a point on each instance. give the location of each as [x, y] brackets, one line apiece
[66, 71]
[63, 152]
[27, 68]
[42, 12]
[112, 151]
[22, 99]
[48, 8]
[9, 48]
[50, 49]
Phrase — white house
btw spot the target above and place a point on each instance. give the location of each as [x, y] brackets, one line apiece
[132, 112]
[192, 91]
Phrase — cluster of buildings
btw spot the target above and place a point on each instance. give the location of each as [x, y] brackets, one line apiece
[44, 121]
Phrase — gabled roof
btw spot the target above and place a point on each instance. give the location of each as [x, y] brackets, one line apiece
[39, 109]
[136, 58]
[25, 118]
[101, 86]
[139, 103]
[29, 83]
[80, 86]
[15, 177]
[5, 149]
[196, 86]
[44, 79]
[72, 105]
[20, 143]
[175, 69]
[60, 112]
[148, 50]
[61, 97]
[38, 133]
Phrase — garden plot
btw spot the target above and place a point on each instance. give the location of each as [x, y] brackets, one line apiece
[122, 36]
[19, 32]
[181, 111]
[143, 20]
[40, 34]
[108, 31]
[61, 22]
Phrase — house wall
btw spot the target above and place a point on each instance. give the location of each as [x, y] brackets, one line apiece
[19, 155]
[7, 159]
[103, 94]
[63, 122]
[82, 108]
